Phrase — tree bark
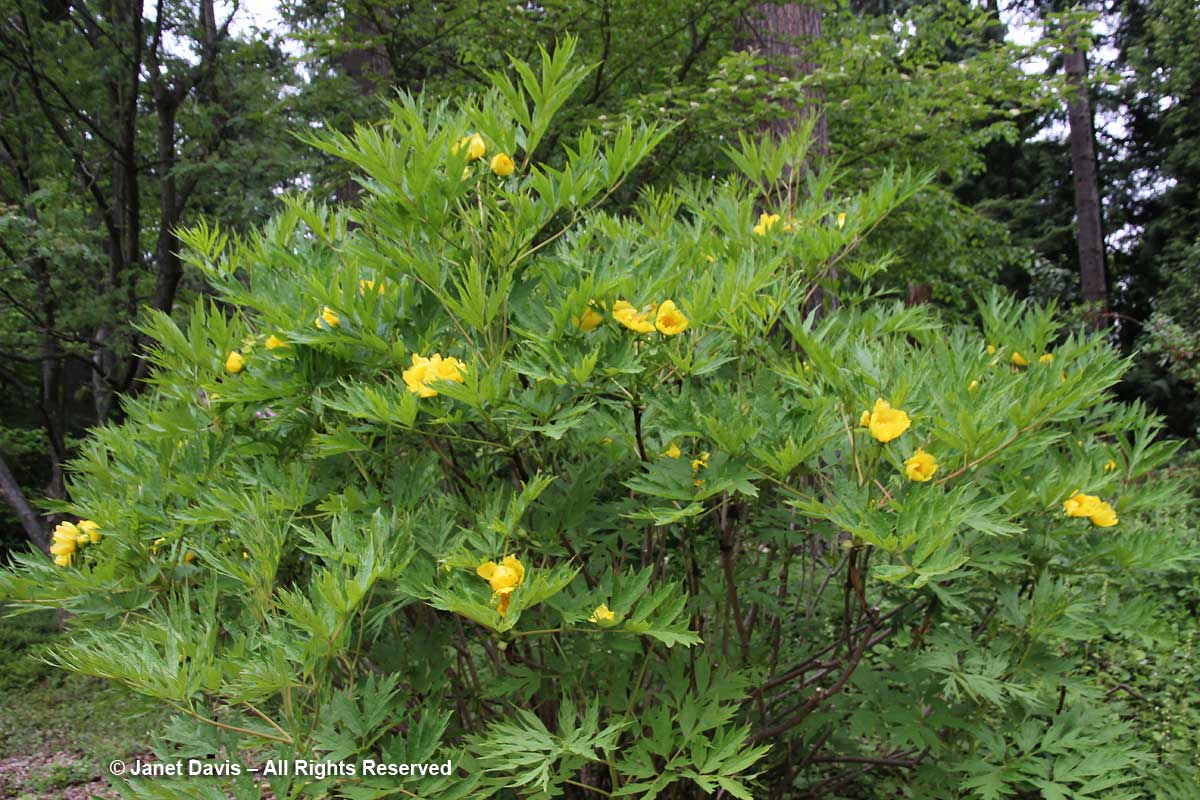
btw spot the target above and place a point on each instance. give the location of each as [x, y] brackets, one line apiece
[1092, 274]
[10, 490]
[780, 32]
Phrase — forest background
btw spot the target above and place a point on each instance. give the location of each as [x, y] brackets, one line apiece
[124, 121]
[1062, 143]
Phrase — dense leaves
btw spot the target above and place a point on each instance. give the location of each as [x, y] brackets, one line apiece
[602, 551]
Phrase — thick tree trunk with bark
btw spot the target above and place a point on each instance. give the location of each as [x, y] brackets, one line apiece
[783, 34]
[780, 33]
[1092, 274]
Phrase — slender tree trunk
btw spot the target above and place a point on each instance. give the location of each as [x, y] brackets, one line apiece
[10, 490]
[1092, 273]
[166, 253]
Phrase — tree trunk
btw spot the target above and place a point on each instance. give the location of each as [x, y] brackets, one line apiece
[779, 32]
[1092, 275]
[10, 490]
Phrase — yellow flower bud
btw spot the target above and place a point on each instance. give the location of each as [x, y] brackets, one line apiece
[91, 529]
[234, 362]
[474, 144]
[366, 285]
[590, 320]
[274, 342]
[329, 317]
[502, 165]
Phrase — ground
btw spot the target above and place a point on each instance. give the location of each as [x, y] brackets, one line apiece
[58, 732]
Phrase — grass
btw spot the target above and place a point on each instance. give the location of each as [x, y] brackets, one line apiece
[67, 726]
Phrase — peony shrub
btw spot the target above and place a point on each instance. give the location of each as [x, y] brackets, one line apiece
[593, 501]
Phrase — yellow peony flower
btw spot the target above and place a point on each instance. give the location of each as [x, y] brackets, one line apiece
[624, 313]
[91, 529]
[864, 420]
[367, 285]
[64, 548]
[1046, 358]
[886, 423]
[449, 368]
[670, 320]
[234, 362]
[991, 349]
[417, 377]
[65, 532]
[590, 320]
[424, 371]
[1104, 516]
[1019, 360]
[672, 452]
[1099, 512]
[474, 144]
[1081, 505]
[502, 165]
[329, 317]
[504, 578]
[602, 615]
[1110, 465]
[765, 223]
[920, 467]
[274, 342]
[65, 540]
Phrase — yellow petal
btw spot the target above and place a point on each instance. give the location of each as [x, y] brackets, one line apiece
[602, 614]
[670, 320]
[502, 165]
[920, 467]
